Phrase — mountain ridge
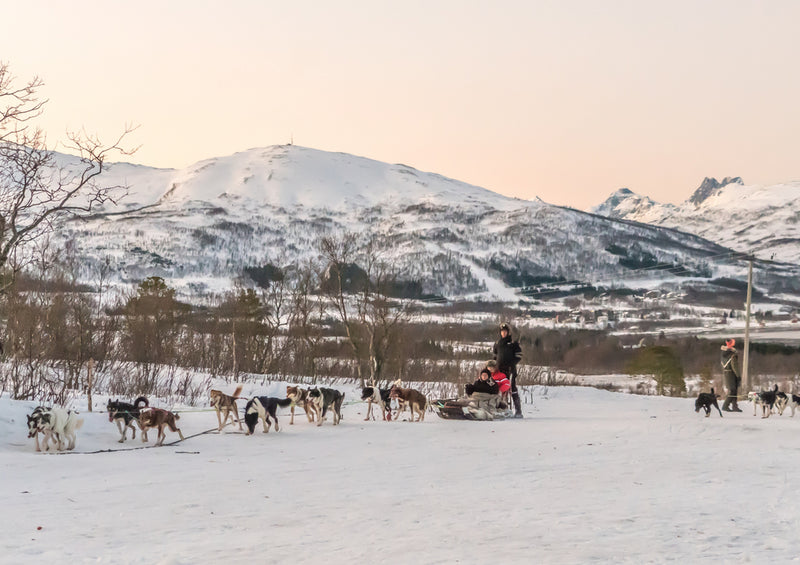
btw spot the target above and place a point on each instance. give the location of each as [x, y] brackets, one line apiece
[762, 220]
[204, 226]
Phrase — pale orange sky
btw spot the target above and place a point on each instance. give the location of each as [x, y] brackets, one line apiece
[564, 100]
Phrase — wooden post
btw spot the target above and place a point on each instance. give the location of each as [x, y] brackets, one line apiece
[235, 367]
[746, 358]
[89, 375]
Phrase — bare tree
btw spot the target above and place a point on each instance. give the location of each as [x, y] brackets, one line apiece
[243, 312]
[308, 312]
[35, 189]
[372, 318]
[277, 316]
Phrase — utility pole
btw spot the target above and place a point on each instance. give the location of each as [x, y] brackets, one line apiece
[746, 359]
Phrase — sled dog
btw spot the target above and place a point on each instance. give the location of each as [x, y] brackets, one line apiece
[55, 424]
[225, 406]
[706, 400]
[381, 397]
[415, 399]
[35, 420]
[263, 408]
[299, 396]
[327, 399]
[766, 398]
[784, 401]
[125, 415]
[160, 419]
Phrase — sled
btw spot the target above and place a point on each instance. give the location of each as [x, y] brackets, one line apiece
[449, 409]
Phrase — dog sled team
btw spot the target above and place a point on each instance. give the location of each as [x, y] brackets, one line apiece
[492, 396]
[58, 425]
[770, 400]
[489, 397]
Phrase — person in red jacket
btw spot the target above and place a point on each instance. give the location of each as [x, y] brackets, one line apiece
[503, 384]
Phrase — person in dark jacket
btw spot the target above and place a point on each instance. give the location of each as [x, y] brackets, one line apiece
[484, 384]
[508, 353]
[729, 359]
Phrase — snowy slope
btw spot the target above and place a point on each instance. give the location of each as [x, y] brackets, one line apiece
[588, 476]
[293, 176]
[750, 218]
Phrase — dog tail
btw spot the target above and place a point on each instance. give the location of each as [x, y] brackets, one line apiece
[143, 400]
[237, 391]
[284, 402]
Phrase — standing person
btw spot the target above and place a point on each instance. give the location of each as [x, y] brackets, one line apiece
[729, 359]
[507, 353]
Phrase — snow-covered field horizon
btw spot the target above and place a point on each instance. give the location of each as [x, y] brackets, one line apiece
[588, 476]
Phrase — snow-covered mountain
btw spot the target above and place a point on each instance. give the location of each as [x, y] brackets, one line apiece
[764, 220]
[200, 227]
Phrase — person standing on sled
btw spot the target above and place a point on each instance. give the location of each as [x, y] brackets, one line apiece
[729, 359]
[508, 353]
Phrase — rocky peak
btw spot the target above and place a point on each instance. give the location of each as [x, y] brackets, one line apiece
[623, 197]
[711, 186]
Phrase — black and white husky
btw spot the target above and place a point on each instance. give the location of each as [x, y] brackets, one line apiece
[766, 398]
[379, 396]
[36, 421]
[55, 424]
[784, 401]
[327, 399]
[126, 414]
[262, 408]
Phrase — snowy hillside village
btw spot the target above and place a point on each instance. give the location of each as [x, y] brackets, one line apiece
[342, 311]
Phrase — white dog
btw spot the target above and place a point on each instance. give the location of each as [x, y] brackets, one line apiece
[54, 423]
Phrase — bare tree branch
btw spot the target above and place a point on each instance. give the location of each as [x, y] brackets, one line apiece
[371, 318]
[36, 189]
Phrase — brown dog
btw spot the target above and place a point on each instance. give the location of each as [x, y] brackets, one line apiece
[299, 397]
[225, 405]
[415, 400]
[158, 418]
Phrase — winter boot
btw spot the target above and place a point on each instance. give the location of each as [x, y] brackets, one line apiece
[517, 405]
[726, 406]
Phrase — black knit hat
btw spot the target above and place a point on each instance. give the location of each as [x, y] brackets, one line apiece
[504, 326]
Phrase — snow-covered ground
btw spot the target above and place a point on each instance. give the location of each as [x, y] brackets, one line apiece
[588, 476]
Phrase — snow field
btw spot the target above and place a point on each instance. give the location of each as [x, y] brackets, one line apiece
[588, 476]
